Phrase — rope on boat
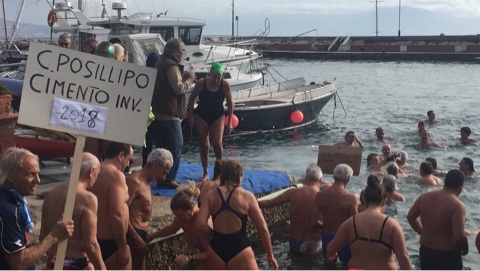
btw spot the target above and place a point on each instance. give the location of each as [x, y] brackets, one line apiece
[335, 102]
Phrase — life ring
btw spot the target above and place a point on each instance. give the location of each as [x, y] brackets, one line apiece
[52, 18]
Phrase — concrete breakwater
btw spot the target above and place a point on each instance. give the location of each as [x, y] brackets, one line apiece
[388, 48]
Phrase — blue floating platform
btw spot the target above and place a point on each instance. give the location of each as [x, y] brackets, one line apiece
[255, 181]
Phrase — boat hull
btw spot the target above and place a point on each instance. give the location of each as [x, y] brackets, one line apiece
[277, 117]
[46, 148]
[263, 111]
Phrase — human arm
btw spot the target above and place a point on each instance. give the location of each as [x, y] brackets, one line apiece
[204, 215]
[458, 230]
[340, 239]
[413, 215]
[359, 142]
[228, 97]
[89, 234]
[354, 205]
[282, 198]
[191, 101]
[176, 81]
[399, 247]
[137, 243]
[477, 242]
[22, 259]
[167, 230]
[262, 230]
[118, 216]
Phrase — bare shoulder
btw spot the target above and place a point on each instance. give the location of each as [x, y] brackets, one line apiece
[86, 197]
[133, 180]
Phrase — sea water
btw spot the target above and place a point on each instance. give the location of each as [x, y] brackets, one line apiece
[394, 95]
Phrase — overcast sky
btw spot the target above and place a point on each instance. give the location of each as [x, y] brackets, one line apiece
[293, 17]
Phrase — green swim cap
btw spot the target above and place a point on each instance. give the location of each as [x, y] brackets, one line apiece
[105, 49]
[217, 67]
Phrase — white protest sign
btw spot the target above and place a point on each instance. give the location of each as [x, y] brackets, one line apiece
[123, 90]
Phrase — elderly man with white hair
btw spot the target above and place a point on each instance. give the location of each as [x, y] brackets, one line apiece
[332, 207]
[304, 238]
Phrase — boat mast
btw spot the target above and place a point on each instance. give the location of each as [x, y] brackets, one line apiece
[233, 18]
[5, 22]
[17, 22]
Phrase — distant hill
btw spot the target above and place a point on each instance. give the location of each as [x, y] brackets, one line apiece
[26, 31]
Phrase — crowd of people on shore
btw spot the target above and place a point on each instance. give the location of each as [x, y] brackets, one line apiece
[109, 227]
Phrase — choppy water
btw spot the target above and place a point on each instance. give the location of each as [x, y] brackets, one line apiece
[393, 95]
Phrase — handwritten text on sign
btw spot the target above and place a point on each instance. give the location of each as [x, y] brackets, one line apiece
[330, 156]
[79, 116]
[57, 73]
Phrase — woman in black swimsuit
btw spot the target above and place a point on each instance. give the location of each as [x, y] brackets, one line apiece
[229, 205]
[209, 116]
[373, 236]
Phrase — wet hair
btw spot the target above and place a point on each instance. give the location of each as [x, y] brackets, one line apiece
[115, 148]
[403, 156]
[349, 132]
[231, 173]
[313, 173]
[433, 161]
[370, 157]
[426, 167]
[374, 192]
[163, 156]
[429, 112]
[392, 169]
[390, 183]
[469, 162]
[217, 169]
[362, 197]
[454, 179]
[183, 199]
[466, 130]
[342, 172]
[12, 161]
[172, 45]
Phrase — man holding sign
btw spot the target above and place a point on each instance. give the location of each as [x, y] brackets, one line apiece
[19, 176]
[83, 250]
[113, 215]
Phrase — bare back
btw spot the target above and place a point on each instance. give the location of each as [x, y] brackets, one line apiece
[336, 205]
[112, 193]
[301, 213]
[139, 202]
[85, 204]
[440, 213]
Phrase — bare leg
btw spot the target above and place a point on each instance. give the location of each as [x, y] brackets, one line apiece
[203, 140]
[216, 130]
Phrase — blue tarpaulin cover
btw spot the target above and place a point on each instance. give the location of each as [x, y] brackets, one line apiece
[255, 181]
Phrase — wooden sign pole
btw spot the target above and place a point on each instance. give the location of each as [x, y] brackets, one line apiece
[70, 201]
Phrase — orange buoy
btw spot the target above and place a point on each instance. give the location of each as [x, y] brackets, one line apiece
[296, 116]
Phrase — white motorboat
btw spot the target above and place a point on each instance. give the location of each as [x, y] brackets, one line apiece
[187, 29]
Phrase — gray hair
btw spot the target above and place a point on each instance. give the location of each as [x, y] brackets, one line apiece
[64, 36]
[88, 162]
[12, 161]
[161, 155]
[313, 173]
[172, 45]
[390, 183]
[342, 172]
[403, 156]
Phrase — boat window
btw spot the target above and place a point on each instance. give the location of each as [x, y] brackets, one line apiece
[165, 32]
[190, 35]
[227, 75]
